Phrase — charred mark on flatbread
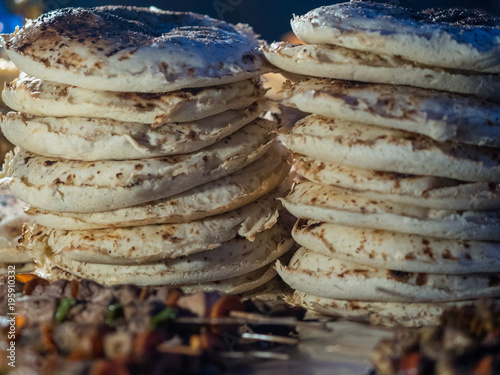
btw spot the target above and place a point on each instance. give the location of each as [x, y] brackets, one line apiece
[421, 279]
[313, 226]
[361, 272]
[410, 256]
[399, 275]
[447, 255]
[49, 163]
[427, 249]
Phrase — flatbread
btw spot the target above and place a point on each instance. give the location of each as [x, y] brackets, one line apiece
[330, 61]
[234, 258]
[153, 243]
[13, 257]
[8, 71]
[135, 49]
[454, 38]
[398, 251]
[327, 277]
[309, 200]
[390, 150]
[92, 139]
[422, 191]
[40, 97]
[378, 313]
[235, 285]
[216, 197]
[440, 116]
[248, 283]
[77, 186]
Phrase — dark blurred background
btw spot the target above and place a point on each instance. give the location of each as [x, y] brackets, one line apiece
[270, 18]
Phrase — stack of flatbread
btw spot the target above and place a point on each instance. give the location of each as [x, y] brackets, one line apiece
[399, 209]
[142, 154]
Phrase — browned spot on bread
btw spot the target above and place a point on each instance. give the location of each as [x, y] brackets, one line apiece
[398, 275]
[447, 255]
[312, 226]
[421, 279]
[48, 163]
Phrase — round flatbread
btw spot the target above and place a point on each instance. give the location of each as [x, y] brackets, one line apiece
[76, 186]
[233, 258]
[213, 198]
[152, 243]
[92, 139]
[422, 191]
[398, 251]
[453, 38]
[134, 49]
[328, 277]
[390, 150]
[8, 71]
[325, 203]
[378, 313]
[342, 63]
[440, 116]
[39, 97]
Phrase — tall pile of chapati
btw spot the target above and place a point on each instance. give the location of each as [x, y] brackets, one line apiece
[142, 154]
[398, 212]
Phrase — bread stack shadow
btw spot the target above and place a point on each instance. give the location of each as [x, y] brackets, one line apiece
[398, 210]
[139, 170]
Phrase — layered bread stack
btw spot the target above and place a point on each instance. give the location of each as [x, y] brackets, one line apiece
[142, 154]
[12, 216]
[399, 209]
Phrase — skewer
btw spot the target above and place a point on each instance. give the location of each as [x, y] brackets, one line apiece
[255, 354]
[260, 321]
[270, 338]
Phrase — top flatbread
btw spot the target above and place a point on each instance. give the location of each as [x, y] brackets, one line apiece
[134, 49]
[453, 38]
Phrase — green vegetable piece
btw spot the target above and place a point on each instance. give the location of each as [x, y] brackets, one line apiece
[170, 313]
[114, 312]
[64, 306]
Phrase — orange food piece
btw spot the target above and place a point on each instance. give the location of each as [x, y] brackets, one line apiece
[105, 367]
[74, 285]
[20, 322]
[173, 297]
[224, 305]
[408, 365]
[484, 366]
[30, 286]
[46, 332]
[25, 277]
